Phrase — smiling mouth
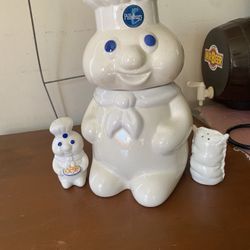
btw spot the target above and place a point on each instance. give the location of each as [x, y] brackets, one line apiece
[134, 79]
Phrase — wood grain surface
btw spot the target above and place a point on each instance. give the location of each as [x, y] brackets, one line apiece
[36, 213]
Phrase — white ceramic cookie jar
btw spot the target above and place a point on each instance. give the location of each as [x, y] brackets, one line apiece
[70, 161]
[138, 120]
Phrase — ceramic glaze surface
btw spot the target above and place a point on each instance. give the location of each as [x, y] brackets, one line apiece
[70, 162]
[138, 120]
[133, 64]
[208, 156]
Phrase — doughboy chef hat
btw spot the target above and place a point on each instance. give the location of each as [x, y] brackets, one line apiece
[61, 126]
[124, 14]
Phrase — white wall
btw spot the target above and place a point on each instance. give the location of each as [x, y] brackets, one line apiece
[63, 28]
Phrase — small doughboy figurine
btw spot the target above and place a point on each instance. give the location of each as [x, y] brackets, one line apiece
[70, 161]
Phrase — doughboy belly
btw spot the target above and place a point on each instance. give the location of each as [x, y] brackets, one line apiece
[128, 157]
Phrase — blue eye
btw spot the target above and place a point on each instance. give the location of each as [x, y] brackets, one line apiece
[150, 40]
[72, 141]
[110, 46]
[59, 144]
[65, 135]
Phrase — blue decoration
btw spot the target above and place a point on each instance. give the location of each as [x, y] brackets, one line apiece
[110, 46]
[150, 40]
[65, 135]
[133, 16]
[59, 144]
[72, 141]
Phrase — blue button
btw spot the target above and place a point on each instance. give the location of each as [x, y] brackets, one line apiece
[59, 144]
[65, 135]
[133, 16]
[72, 141]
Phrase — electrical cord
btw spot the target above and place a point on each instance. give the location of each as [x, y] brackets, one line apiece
[235, 143]
[45, 83]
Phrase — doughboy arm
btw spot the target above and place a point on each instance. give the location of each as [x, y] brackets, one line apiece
[175, 130]
[89, 125]
[56, 167]
[84, 162]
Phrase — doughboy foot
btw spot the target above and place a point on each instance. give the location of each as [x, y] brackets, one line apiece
[152, 190]
[80, 182]
[66, 184]
[204, 180]
[103, 182]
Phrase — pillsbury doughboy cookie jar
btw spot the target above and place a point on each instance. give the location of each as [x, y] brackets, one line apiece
[138, 121]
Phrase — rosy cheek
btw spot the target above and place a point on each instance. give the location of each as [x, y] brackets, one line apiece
[99, 67]
[56, 151]
[159, 64]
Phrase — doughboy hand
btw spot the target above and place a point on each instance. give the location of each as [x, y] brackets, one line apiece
[164, 141]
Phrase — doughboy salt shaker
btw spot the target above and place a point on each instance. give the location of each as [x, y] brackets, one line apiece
[138, 120]
[208, 156]
[70, 161]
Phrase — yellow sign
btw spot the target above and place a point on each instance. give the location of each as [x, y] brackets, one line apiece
[214, 58]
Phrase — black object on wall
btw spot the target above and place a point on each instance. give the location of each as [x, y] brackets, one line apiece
[226, 63]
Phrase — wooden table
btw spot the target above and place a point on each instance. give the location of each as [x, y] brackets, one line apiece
[36, 213]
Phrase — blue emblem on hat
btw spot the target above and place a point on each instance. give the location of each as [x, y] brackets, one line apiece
[133, 16]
